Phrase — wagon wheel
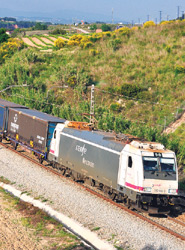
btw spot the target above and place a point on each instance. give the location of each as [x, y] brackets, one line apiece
[15, 145]
[112, 196]
[40, 160]
[92, 183]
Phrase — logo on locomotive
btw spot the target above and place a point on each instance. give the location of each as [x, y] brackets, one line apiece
[80, 149]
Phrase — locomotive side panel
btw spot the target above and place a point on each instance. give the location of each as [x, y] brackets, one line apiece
[84, 157]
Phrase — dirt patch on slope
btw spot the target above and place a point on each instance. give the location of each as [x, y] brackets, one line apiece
[23, 226]
[13, 235]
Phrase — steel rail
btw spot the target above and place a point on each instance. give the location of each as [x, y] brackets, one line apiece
[140, 216]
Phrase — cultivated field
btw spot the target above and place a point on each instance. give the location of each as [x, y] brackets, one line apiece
[43, 41]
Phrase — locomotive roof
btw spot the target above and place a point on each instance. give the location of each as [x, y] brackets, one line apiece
[40, 115]
[5, 103]
[98, 137]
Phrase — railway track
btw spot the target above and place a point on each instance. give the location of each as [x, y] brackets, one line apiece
[96, 193]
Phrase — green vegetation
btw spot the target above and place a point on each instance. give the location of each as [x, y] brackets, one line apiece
[105, 27]
[40, 26]
[3, 36]
[45, 228]
[138, 75]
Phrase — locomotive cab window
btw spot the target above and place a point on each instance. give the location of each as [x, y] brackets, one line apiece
[55, 132]
[129, 161]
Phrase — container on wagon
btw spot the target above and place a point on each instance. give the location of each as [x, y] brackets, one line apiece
[4, 111]
[32, 129]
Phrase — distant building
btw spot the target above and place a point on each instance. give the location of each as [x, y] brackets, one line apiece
[9, 32]
[98, 30]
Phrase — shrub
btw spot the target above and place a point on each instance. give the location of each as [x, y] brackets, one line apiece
[114, 44]
[93, 52]
[59, 43]
[58, 31]
[76, 38]
[72, 43]
[168, 48]
[86, 45]
[9, 48]
[130, 90]
[93, 27]
[72, 81]
[179, 69]
[3, 36]
[105, 27]
[107, 33]
[125, 31]
[115, 106]
[85, 42]
[96, 36]
[148, 24]
[134, 28]
[166, 22]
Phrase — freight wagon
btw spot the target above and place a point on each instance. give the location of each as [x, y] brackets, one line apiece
[4, 112]
[31, 129]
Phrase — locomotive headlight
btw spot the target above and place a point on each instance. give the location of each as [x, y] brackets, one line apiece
[147, 189]
[172, 191]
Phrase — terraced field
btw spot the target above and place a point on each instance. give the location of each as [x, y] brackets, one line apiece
[43, 42]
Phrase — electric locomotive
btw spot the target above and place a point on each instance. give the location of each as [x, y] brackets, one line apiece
[142, 174]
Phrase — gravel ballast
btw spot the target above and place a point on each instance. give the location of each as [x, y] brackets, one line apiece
[109, 222]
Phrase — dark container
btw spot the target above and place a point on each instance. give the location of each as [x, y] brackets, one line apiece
[32, 128]
[4, 110]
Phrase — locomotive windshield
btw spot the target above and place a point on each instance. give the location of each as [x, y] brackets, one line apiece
[159, 168]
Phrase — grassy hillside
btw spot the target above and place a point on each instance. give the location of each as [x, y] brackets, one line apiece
[139, 77]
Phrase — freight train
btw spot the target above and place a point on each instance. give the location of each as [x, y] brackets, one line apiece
[141, 174]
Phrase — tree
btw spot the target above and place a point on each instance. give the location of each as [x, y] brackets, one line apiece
[93, 27]
[39, 26]
[3, 36]
[105, 27]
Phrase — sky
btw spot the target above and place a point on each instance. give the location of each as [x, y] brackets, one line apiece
[128, 10]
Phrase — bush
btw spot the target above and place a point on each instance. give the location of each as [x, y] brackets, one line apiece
[166, 22]
[96, 36]
[93, 27]
[76, 38]
[85, 42]
[114, 44]
[168, 48]
[130, 90]
[179, 69]
[115, 106]
[93, 52]
[72, 43]
[125, 31]
[9, 48]
[3, 36]
[58, 31]
[72, 81]
[148, 24]
[107, 33]
[105, 27]
[59, 43]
